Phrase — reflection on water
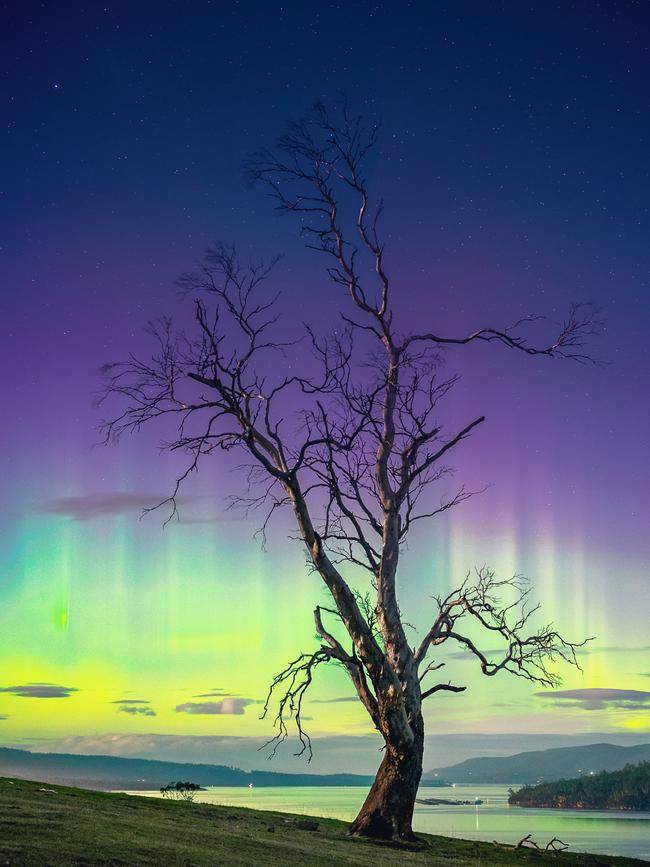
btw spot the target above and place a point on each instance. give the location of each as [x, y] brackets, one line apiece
[607, 833]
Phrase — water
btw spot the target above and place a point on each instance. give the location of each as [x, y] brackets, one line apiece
[602, 832]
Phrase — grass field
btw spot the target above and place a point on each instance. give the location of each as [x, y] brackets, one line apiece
[43, 824]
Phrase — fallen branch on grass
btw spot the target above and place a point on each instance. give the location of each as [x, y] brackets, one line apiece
[527, 842]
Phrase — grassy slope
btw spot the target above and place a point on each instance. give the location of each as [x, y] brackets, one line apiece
[76, 826]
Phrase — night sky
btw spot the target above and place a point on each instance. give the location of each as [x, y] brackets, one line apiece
[513, 161]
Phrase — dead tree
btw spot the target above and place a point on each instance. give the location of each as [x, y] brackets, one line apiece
[351, 443]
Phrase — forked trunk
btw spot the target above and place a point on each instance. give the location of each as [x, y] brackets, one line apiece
[388, 810]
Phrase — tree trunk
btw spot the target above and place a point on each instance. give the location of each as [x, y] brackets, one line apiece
[388, 810]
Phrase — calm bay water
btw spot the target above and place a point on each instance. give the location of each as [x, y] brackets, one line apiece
[601, 832]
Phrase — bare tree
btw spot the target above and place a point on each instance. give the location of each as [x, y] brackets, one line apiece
[351, 444]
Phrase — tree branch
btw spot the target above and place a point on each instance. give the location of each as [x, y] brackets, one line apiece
[446, 687]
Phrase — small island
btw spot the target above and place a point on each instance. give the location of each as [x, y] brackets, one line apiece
[628, 789]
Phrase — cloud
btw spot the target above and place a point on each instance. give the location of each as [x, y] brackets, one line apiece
[229, 705]
[466, 654]
[359, 754]
[331, 754]
[2, 716]
[135, 706]
[40, 690]
[133, 710]
[218, 693]
[86, 507]
[341, 698]
[615, 648]
[599, 699]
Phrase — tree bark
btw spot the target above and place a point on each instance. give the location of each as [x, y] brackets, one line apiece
[387, 812]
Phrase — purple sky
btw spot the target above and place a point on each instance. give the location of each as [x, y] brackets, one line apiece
[513, 164]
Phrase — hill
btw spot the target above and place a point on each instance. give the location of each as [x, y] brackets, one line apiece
[110, 772]
[61, 826]
[543, 765]
[628, 789]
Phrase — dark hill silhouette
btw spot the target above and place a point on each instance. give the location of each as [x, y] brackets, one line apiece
[543, 765]
[110, 772]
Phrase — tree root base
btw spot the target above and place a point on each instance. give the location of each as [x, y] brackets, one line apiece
[407, 844]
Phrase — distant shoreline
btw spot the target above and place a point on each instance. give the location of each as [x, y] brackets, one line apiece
[575, 809]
